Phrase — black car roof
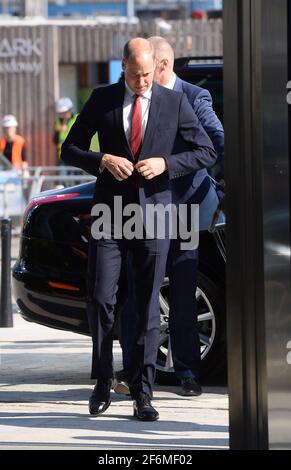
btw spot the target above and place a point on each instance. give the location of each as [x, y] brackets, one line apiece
[215, 60]
[197, 65]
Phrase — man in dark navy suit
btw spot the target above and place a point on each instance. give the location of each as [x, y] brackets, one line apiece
[181, 265]
[137, 124]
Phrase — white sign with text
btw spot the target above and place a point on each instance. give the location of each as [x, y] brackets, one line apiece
[15, 50]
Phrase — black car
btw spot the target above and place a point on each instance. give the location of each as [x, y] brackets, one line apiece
[49, 277]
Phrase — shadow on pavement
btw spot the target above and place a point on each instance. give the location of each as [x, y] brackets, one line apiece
[172, 432]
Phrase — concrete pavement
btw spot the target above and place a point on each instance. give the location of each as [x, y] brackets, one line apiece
[44, 391]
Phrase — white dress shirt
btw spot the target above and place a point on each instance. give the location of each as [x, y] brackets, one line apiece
[172, 82]
[129, 98]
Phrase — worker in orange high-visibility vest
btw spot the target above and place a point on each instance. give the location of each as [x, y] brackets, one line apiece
[12, 145]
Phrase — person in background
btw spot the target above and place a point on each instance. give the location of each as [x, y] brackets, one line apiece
[182, 265]
[13, 145]
[63, 124]
[64, 121]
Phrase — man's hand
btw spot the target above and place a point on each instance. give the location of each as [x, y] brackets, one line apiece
[120, 167]
[151, 167]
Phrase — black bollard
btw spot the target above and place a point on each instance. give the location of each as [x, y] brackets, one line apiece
[6, 318]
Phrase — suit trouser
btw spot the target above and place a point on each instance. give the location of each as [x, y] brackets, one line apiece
[185, 344]
[128, 318]
[182, 271]
[183, 327]
[149, 263]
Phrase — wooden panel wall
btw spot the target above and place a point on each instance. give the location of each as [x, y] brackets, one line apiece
[28, 85]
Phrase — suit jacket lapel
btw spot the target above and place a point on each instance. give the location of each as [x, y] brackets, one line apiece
[118, 115]
[152, 123]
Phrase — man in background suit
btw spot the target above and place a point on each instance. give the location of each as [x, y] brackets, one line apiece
[182, 265]
[135, 162]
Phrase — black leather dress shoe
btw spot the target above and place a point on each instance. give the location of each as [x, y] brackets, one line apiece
[99, 401]
[190, 388]
[143, 409]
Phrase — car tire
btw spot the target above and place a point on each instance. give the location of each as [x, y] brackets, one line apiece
[212, 331]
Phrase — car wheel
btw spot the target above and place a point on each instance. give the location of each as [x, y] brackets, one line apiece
[211, 324]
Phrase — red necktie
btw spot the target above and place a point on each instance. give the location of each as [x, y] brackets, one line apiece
[136, 128]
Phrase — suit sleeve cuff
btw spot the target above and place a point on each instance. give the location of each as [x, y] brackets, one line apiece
[170, 170]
